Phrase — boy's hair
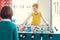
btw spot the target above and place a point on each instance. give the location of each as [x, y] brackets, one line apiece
[35, 5]
[6, 12]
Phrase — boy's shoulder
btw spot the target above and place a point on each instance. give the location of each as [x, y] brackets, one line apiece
[13, 25]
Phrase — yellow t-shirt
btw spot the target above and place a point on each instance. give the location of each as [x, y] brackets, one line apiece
[36, 18]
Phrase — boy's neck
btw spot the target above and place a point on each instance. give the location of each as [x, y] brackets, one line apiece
[36, 12]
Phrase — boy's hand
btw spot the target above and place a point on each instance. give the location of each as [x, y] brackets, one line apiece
[24, 22]
[47, 24]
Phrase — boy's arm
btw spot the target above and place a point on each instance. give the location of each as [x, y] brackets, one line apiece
[27, 18]
[44, 20]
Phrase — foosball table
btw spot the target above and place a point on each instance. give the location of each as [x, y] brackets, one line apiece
[42, 32]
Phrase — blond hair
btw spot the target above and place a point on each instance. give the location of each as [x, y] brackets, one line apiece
[35, 5]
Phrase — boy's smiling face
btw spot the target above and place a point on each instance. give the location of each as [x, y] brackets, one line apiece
[35, 9]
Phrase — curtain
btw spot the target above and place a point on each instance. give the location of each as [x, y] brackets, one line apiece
[5, 2]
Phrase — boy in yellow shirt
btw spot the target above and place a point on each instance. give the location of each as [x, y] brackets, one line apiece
[36, 16]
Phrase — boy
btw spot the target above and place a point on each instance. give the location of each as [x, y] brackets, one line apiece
[36, 16]
[8, 30]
